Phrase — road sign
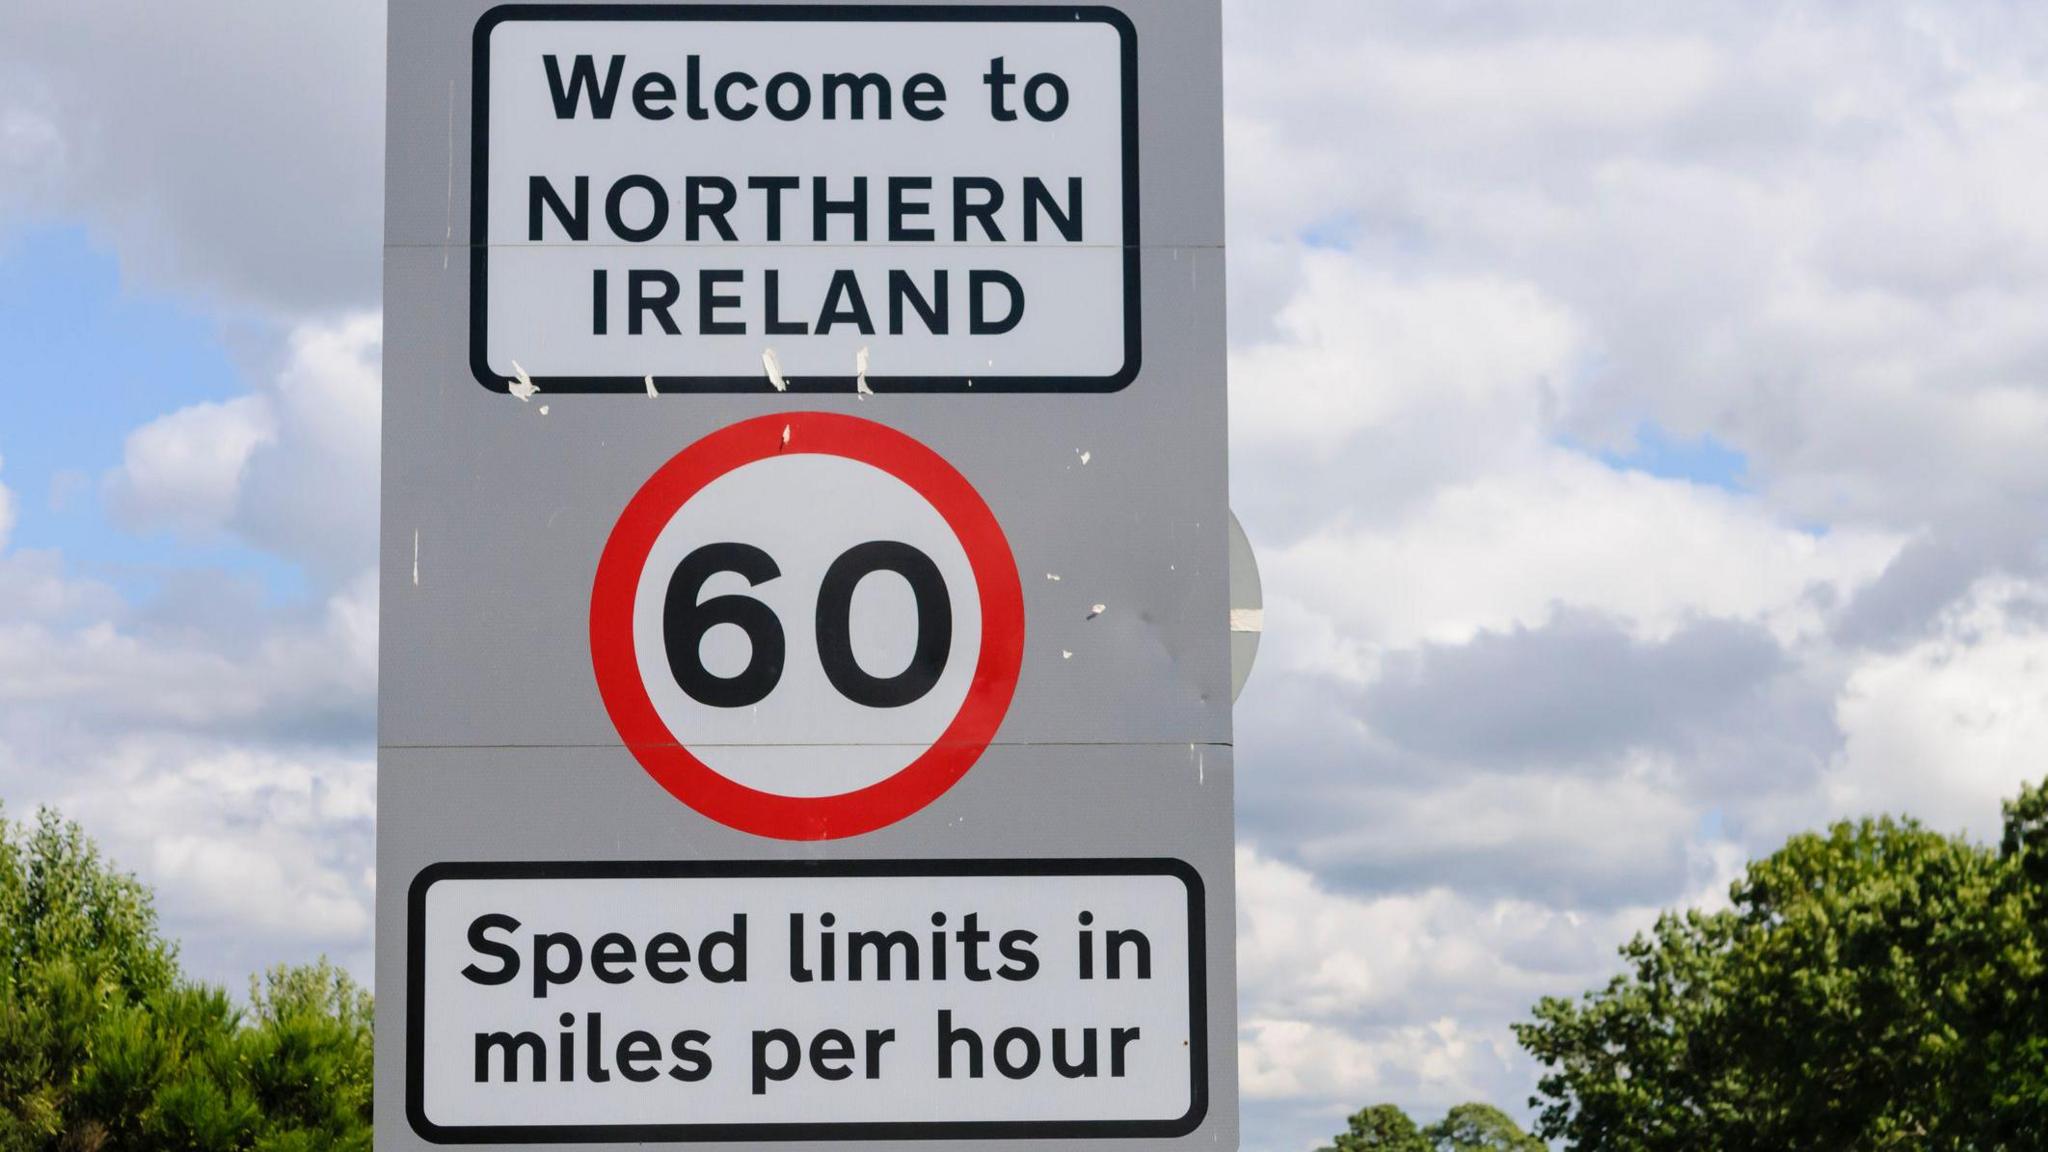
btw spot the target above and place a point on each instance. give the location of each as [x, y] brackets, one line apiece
[1004, 1038]
[803, 711]
[797, 740]
[961, 180]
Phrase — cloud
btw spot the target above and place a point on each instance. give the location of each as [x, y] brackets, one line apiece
[33, 585]
[1581, 841]
[1359, 350]
[1937, 569]
[1814, 232]
[230, 149]
[104, 668]
[31, 151]
[1330, 984]
[256, 852]
[1374, 387]
[1951, 726]
[1580, 690]
[1575, 763]
[314, 496]
[292, 468]
[1303, 1059]
[1515, 546]
[183, 472]
[1398, 441]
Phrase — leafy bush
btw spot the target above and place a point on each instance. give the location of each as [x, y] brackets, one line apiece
[106, 1047]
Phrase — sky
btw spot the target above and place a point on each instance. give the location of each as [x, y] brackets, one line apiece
[1639, 412]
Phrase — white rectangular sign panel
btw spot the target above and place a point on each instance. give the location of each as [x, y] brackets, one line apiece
[800, 1001]
[673, 193]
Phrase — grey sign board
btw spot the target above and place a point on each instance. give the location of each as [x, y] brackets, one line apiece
[805, 697]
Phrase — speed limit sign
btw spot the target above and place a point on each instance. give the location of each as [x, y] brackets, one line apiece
[807, 626]
[805, 633]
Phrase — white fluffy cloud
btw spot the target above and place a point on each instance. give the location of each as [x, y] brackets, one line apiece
[183, 472]
[1949, 727]
[263, 851]
[1403, 436]
[291, 468]
[1815, 231]
[1511, 548]
[1472, 360]
[314, 497]
[295, 670]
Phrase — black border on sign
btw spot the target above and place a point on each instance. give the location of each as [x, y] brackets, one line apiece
[479, 192]
[415, 1017]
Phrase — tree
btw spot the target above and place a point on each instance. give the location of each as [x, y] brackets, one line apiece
[106, 1047]
[1468, 1128]
[1380, 1128]
[1479, 1128]
[1876, 987]
[308, 1056]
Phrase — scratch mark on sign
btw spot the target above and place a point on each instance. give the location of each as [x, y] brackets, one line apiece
[1098, 610]
[415, 557]
[860, 373]
[524, 387]
[651, 389]
[785, 435]
[1247, 620]
[1053, 576]
[773, 365]
[1085, 455]
[448, 235]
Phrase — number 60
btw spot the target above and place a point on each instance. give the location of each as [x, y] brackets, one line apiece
[685, 621]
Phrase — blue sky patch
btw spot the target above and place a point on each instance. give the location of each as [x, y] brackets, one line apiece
[1337, 234]
[90, 360]
[1704, 460]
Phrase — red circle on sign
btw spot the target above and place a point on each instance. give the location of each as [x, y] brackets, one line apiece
[662, 752]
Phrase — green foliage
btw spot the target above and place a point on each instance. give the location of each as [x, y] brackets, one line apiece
[1381, 1128]
[1877, 987]
[308, 1056]
[1479, 1128]
[1468, 1128]
[105, 1047]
